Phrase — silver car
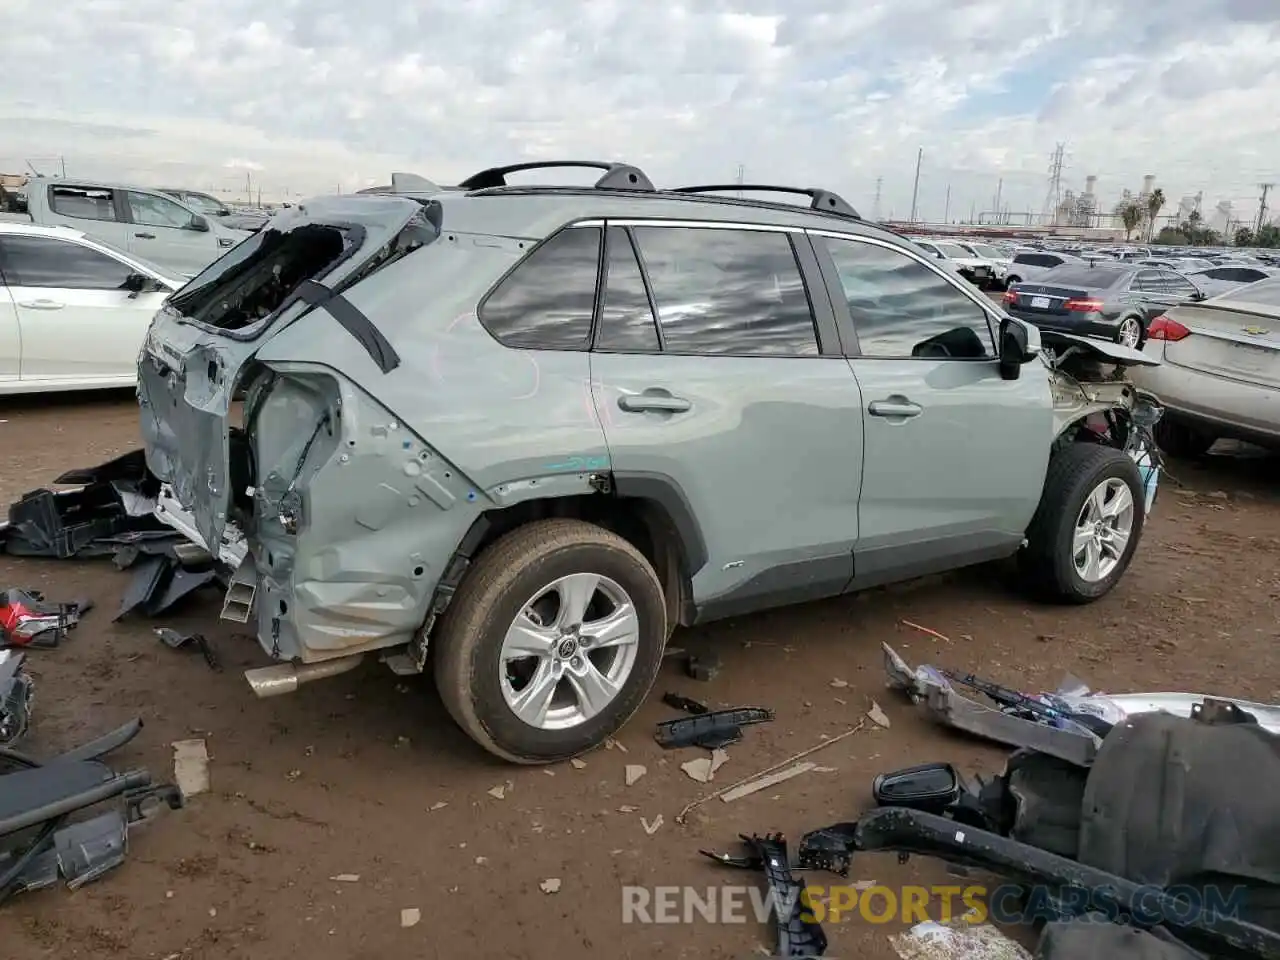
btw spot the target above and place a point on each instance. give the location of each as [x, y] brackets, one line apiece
[1032, 265]
[1220, 370]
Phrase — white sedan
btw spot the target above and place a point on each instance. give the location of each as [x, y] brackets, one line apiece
[73, 310]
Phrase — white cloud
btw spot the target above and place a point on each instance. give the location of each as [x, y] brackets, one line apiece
[325, 93]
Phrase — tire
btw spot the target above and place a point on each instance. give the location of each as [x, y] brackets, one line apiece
[1049, 559]
[504, 581]
[1010, 281]
[1180, 439]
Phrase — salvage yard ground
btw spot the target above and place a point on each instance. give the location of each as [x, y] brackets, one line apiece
[365, 777]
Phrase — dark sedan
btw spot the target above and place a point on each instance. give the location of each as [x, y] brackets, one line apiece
[1114, 301]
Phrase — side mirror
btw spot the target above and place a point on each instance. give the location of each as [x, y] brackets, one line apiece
[1199, 295]
[198, 224]
[136, 283]
[1019, 343]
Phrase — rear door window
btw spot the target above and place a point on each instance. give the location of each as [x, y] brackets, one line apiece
[83, 203]
[1148, 281]
[1177, 285]
[728, 292]
[59, 264]
[547, 301]
[627, 323]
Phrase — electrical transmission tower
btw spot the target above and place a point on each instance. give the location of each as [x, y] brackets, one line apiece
[875, 206]
[1262, 206]
[1054, 197]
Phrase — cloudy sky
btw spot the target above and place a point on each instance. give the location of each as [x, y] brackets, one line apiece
[301, 96]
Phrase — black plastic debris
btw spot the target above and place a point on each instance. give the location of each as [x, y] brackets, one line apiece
[159, 582]
[702, 666]
[37, 844]
[176, 640]
[799, 933]
[112, 499]
[687, 704]
[713, 730]
[28, 620]
[16, 688]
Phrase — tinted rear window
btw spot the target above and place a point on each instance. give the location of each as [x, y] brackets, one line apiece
[1264, 293]
[1096, 278]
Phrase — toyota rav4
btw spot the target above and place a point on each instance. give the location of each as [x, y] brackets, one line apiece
[515, 435]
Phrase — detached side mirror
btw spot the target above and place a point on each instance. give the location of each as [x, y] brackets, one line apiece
[1019, 344]
[198, 224]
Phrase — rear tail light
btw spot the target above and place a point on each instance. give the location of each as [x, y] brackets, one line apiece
[1010, 296]
[1166, 328]
[1083, 306]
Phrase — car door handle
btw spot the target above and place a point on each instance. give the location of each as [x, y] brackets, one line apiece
[145, 236]
[41, 305]
[654, 402]
[897, 407]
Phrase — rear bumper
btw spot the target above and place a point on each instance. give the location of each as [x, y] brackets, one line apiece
[1088, 325]
[1231, 408]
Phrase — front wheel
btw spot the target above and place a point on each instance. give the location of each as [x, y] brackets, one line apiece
[1088, 524]
[552, 641]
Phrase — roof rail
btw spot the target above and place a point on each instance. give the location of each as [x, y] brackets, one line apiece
[617, 176]
[819, 199]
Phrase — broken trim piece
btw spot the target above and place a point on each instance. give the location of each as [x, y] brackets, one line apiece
[351, 319]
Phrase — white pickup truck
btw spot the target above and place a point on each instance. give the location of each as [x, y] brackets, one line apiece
[143, 222]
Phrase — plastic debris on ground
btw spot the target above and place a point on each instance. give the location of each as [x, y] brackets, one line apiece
[712, 730]
[191, 766]
[961, 939]
[27, 619]
[16, 689]
[176, 640]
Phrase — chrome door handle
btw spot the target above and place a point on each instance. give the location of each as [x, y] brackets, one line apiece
[650, 402]
[42, 305]
[145, 236]
[896, 407]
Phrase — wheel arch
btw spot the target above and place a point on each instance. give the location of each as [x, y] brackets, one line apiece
[649, 510]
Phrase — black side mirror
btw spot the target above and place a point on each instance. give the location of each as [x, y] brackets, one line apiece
[136, 283]
[932, 787]
[1014, 349]
[198, 224]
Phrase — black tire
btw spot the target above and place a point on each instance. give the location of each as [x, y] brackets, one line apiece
[1180, 439]
[501, 580]
[1010, 281]
[1047, 561]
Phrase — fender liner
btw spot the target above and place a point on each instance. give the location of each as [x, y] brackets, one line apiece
[668, 494]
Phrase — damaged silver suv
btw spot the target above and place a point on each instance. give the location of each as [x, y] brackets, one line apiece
[515, 435]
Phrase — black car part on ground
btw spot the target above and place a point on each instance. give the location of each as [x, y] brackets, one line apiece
[16, 688]
[906, 832]
[176, 640]
[687, 704]
[1093, 937]
[110, 500]
[37, 844]
[799, 933]
[719, 728]
[161, 581]
[28, 620]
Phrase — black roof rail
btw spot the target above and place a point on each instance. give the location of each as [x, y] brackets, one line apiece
[819, 199]
[617, 176]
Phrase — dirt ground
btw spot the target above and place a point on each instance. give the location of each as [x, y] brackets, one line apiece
[365, 775]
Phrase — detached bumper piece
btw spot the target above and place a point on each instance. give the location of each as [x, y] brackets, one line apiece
[799, 933]
[38, 841]
[712, 730]
[159, 582]
[113, 500]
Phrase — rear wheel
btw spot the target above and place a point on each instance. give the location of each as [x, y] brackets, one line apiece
[1011, 281]
[1129, 333]
[1180, 439]
[1088, 524]
[552, 641]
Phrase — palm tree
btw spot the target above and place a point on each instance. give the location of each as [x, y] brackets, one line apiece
[1130, 216]
[1154, 202]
